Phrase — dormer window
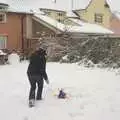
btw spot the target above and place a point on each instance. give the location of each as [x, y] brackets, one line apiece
[2, 17]
[59, 14]
[2, 8]
[47, 12]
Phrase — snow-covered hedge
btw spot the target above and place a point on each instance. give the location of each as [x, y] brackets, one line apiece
[102, 51]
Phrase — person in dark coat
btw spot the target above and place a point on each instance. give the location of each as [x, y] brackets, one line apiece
[37, 73]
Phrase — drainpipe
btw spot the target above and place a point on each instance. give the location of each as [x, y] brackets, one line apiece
[22, 32]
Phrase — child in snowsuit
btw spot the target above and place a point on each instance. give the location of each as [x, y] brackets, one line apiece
[62, 94]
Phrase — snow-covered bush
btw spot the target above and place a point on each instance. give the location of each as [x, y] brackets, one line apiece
[3, 57]
[64, 59]
[70, 58]
[2, 53]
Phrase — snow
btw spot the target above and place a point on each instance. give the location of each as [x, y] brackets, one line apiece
[94, 94]
[20, 10]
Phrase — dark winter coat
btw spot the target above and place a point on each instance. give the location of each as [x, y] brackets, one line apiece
[37, 65]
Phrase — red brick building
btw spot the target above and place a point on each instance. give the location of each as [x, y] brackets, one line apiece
[15, 28]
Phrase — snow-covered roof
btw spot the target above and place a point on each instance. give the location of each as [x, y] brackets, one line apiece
[83, 28]
[90, 28]
[20, 10]
[19, 7]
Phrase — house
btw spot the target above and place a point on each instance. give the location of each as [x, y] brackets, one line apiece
[15, 27]
[97, 11]
[21, 28]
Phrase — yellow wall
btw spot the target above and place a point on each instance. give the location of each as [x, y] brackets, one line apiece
[96, 6]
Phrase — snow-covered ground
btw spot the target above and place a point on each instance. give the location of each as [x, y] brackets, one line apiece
[94, 94]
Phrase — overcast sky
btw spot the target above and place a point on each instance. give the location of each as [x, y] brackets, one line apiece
[60, 4]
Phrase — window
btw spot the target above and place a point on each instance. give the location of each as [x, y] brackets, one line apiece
[98, 18]
[59, 14]
[2, 17]
[3, 42]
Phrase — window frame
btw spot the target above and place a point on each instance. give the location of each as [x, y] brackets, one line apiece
[4, 18]
[5, 38]
[98, 18]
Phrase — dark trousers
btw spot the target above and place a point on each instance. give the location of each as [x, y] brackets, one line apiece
[35, 80]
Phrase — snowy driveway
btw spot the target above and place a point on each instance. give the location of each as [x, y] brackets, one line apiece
[94, 94]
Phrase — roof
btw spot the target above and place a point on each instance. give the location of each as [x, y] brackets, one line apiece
[16, 10]
[83, 28]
